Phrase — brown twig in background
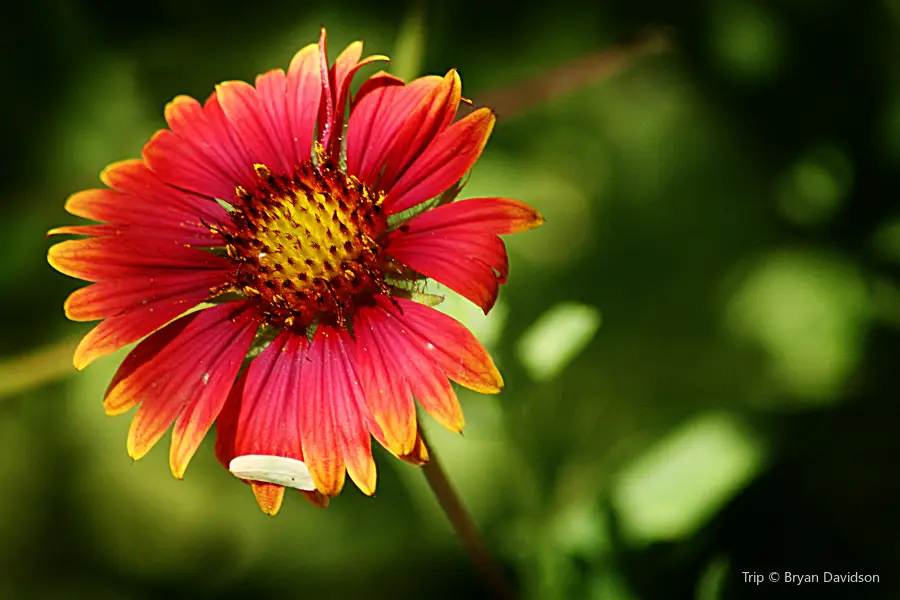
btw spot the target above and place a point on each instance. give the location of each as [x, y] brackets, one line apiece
[511, 101]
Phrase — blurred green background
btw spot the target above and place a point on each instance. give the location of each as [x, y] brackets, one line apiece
[700, 346]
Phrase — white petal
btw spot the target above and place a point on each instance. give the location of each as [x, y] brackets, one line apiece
[279, 470]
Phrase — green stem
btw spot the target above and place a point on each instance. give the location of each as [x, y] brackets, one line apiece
[21, 373]
[464, 527]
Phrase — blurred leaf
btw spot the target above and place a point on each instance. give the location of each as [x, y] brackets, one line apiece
[556, 337]
[807, 310]
[679, 482]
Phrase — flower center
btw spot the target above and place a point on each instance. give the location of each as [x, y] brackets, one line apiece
[308, 246]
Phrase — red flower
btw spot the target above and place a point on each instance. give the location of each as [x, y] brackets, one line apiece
[300, 250]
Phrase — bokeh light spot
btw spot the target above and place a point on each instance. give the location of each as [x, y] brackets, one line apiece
[813, 188]
[682, 480]
[557, 337]
[747, 41]
[807, 311]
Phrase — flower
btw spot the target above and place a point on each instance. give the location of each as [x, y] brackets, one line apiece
[304, 243]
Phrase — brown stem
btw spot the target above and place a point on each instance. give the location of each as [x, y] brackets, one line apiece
[463, 525]
[558, 81]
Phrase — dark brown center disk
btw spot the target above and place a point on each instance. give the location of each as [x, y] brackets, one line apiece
[309, 246]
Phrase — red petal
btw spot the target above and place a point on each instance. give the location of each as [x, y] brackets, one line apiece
[404, 365]
[366, 140]
[446, 159]
[116, 296]
[343, 84]
[258, 117]
[304, 90]
[333, 424]
[268, 496]
[229, 349]
[350, 409]
[117, 332]
[230, 151]
[103, 258]
[188, 378]
[134, 177]
[375, 82]
[133, 308]
[464, 262]
[375, 120]
[433, 391]
[383, 375]
[326, 105]
[428, 119]
[447, 343]
[268, 409]
[494, 216]
[457, 244]
[262, 413]
[336, 91]
[142, 354]
[318, 432]
[330, 123]
[143, 205]
[201, 153]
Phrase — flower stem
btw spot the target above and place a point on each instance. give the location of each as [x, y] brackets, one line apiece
[463, 525]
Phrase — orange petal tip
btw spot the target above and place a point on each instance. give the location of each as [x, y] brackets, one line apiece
[362, 471]
[178, 464]
[269, 497]
[329, 482]
[398, 431]
[116, 402]
[490, 383]
[419, 454]
[57, 231]
[299, 60]
[458, 425]
[136, 449]
[82, 358]
[366, 487]
[375, 58]
[316, 498]
[120, 164]
[184, 446]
